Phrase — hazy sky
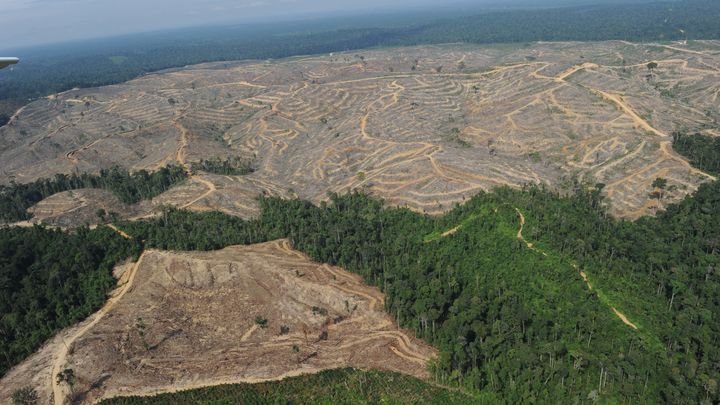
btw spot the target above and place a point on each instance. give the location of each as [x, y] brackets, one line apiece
[27, 22]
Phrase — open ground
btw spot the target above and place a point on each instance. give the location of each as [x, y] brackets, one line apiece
[203, 323]
[424, 126]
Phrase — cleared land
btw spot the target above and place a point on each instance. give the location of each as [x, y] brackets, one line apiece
[199, 314]
[423, 126]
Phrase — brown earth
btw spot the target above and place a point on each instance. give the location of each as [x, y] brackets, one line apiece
[199, 312]
[412, 125]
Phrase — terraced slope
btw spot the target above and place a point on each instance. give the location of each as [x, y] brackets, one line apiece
[423, 127]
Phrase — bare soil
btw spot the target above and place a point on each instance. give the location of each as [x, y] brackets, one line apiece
[412, 125]
[199, 310]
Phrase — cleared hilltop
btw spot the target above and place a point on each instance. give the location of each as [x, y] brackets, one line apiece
[424, 127]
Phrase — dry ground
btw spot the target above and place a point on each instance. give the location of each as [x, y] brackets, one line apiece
[422, 126]
[199, 312]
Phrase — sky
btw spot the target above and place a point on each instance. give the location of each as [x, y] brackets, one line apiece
[31, 22]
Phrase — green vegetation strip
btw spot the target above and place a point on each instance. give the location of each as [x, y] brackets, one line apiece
[702, 151]
[342, 386]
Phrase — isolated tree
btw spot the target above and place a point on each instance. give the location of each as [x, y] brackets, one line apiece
[140, 327]
[261, 322]
[652, 66]
[658, 184]
[66, 376]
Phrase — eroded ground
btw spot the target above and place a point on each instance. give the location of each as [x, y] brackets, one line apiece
[422, 126]
[199, 314]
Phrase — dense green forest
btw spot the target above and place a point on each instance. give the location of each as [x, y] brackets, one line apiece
[342, 386]
[46, 70]
[702, 151]
[49, 280]
[233, 166]
[15, 198]
[509, 319]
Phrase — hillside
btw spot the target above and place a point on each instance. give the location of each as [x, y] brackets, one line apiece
[49, 69]
[516, 223]
[421, 127]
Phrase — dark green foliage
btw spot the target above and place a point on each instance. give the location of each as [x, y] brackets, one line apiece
[702, 151]
[261, 322]
[50, 280]
[47, 70]
[234, 166]
[660, 183]
[15, 198]
[342, 386]
[66, 376]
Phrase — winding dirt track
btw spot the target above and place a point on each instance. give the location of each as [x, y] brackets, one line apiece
[60, 391]
[393, 123]
[120, 232]
[584, 276]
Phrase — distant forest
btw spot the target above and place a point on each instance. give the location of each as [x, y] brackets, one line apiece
[51, 69]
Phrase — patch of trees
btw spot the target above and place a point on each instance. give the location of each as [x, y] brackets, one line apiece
[233, 166]
[341, 386]
[16, 198]
[50, 280]
[702, 151]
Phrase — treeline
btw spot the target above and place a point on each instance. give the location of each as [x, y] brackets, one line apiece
[16, 198]
[702, 151]
[50, 280]
[232, 166]
[341, 386]
[49, 70]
